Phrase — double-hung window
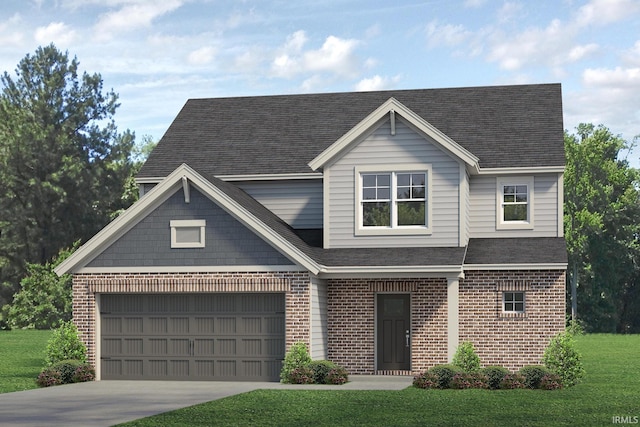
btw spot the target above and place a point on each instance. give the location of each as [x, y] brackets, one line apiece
[393, 202]
[514, 203]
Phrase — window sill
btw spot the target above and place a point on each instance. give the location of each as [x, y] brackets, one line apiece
[404, 231]
[514, 226]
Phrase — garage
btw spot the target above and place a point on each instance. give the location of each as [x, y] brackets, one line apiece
[206, 337]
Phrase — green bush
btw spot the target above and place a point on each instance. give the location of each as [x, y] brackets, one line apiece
[65, 344]
[296, 357]
[321, 369]
[563, 359]
[301, 375]
[551, 382]
[337, 375]
[533, 375]
[49, 377]
[495, 374]
[65, 372]
[444, 374]
[426, 379]
[83, 373]
[67, 369]
[465, 380]
[512, 381]
[466, 357]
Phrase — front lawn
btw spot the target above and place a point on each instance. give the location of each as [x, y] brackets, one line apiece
[21, 358]
[610, 389]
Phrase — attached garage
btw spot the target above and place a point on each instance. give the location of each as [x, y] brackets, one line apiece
[216, 336]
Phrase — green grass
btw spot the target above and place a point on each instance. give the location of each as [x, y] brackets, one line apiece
[21, 358]
[611, 388]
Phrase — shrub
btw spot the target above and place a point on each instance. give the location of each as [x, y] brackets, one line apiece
[495, 374]
[321, 369]
[466, 357]
[533, 375]
[445, 374]
[512, 381]
[551, 382]
[301, 375]
[49, 377]
[337, 375]
[65, 344]
[469, 380]
[83, 373]
[67, 369]
[562, 358]
[426, 379]
[296, 357]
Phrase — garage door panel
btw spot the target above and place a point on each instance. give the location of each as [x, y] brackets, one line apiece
[156, 340]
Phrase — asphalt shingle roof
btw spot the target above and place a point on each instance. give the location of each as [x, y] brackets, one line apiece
[504, 126]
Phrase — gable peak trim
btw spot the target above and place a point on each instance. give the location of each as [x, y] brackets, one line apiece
[392, 107]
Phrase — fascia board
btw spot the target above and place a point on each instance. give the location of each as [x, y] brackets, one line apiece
[355, 272]
[271, 177]
[521, 171]
[251, 221]
[542, 266]
[123, 223]
[392, 105]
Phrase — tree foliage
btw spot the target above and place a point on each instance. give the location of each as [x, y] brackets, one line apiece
[44, 300]
[602, 207]
[63, 164]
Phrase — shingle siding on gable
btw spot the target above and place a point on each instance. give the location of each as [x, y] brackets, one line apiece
[296, 202]
[406, 147]
[228, 242]
[483, 208]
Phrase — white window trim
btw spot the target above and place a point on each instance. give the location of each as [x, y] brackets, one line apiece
[405, 230]
[501, 224]
[524, 302]
[191, 223]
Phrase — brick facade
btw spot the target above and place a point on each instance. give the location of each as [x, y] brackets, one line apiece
[508, 340]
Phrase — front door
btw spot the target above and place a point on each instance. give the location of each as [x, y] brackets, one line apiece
[394, 332]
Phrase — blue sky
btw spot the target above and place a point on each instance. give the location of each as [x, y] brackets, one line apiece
[158, 53]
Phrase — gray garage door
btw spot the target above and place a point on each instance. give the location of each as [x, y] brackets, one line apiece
[224, 337]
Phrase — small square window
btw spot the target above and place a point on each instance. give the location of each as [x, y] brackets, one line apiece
[188, 233]
[513, 302]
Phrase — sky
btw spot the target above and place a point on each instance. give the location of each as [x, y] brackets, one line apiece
[156, 54]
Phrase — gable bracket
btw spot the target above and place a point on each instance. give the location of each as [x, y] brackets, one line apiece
[392, 118]
[185, 188]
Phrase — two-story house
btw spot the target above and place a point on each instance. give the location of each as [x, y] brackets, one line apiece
[380, 228]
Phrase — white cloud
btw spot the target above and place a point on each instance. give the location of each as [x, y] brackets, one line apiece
[376, 83]
[632, 56]
[133, 15]
[619, 78]
[336, 56]
[579, 52]
[474, 3]
[446, 35]
[201, 56]
[508, 11]
[604, 12]
[56, 32]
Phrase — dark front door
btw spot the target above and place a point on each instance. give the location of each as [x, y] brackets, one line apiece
[394, 332]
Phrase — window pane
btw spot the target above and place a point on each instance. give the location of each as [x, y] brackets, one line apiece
[509, 189]
[515, 212]
[404, 192]
[369, 193]
[522, 198]
[418, 192]
[384, 180]
[519, 306]
[508, 306]
[509, 198]
[384, 193]
[418, 179]
[518, 296]
[376, 214]
[411, 213]
[368, 180]
[521, 189]
[404, 179]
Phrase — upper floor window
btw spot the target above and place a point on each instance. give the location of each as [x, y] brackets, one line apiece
[515, 203]
[394, 202]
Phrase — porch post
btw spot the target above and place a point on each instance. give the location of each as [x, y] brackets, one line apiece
[452, 316]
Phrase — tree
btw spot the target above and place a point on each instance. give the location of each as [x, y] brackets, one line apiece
[44, 299]
[602, 207]
[62, 162]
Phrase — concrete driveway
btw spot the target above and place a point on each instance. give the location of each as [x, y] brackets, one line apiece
[105, 403]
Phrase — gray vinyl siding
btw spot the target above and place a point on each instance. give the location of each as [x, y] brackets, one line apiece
[466, 221]
[318, 319]
[227, 241]
[297, 202]
[483, 208]
[381, 148]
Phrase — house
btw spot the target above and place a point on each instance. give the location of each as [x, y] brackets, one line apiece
[380, 228]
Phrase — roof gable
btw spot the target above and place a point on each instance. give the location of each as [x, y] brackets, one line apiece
[391, 107]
